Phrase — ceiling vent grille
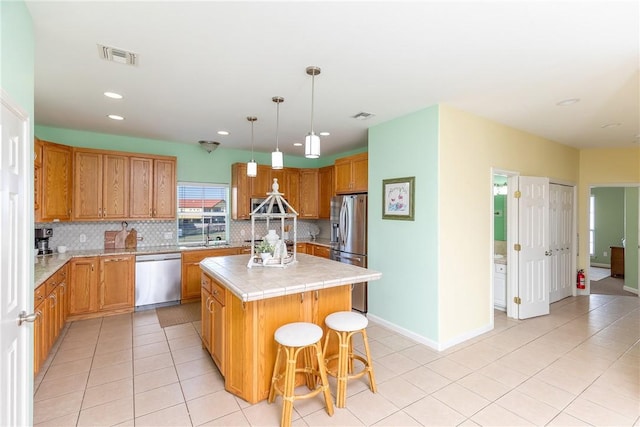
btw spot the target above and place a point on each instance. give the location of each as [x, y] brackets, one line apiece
[117, 55]
[363, 115]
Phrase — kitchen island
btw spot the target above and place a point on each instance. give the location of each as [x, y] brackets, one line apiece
[242, 307]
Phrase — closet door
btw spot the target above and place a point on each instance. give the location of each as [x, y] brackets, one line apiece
[560, 241]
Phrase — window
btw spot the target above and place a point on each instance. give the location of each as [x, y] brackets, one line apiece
[592, 221]
[202, 213]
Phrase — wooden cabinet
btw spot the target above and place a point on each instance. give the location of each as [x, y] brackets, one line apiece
[37, 176]
[191, 273]
[617, 261]
[325, 191]
[83, 285]
[213, 320]
[261, 184]
[351, 174]
[152, 192]
[56, 183]
[101, 185]
[240, 192]
[116, 284]
[292, 179]
[308, 208]
[321, 251]
[301, 248]
[50, 309]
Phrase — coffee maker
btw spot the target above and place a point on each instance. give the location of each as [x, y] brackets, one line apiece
[42, 240]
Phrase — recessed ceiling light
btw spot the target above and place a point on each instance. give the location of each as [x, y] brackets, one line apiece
[223, 132]
[325, 133]
[113, 95]
[610, 125]
[115, 117]
[297, 144]
[568, 101]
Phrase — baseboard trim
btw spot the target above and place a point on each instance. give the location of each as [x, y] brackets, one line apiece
[629, 289]
[597, 264]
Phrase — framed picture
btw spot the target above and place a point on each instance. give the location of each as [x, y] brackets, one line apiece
[397, 198]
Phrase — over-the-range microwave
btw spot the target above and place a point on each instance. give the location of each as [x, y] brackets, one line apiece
[256, 202]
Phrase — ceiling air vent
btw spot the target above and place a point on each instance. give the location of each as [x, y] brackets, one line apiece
[363, 115]
[117, 55]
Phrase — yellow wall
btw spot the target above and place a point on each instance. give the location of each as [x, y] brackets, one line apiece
[469, 147]
[598, 166]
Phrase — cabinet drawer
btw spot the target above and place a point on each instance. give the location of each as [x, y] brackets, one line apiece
[501, 268]
[205, 282]
[51, 283]
[217, 291]
[39, 294]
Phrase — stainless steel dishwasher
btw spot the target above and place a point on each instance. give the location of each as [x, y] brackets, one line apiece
[158, 279]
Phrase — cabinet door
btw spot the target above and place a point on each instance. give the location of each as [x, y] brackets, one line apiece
[83, 286]
[87, 188]
[308, 194]
[292, 176]
[116, 282]
[115, 186]
[325, 191]
[240, 192]
[321, 251]
[190, 281]
[39, 338]
[360, 173]
[57, 176]
[342, 176]
[63, 279]
[217, 333]
[261, 184]
[140, 191]
[206, 318]
[164, 189]
[37, 177]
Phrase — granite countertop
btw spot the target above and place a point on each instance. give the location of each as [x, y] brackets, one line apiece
[46, 265]
[309, 273]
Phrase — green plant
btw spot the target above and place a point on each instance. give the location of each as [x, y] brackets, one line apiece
[264, 247]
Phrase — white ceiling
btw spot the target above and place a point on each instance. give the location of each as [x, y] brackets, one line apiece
[205, 65]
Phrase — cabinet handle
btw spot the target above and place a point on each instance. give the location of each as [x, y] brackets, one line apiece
[301, 297]
[317, 295]
[91, 267]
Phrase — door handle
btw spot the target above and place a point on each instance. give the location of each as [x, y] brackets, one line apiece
[548, 253]
[24, 317]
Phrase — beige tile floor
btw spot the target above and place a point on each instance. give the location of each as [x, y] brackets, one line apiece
[577, 366]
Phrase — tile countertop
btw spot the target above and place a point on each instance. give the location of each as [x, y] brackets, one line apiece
[46, 265]
[308, 274]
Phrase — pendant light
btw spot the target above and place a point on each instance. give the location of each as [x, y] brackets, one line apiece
[276, 156]
[312, 141]
[252, 166]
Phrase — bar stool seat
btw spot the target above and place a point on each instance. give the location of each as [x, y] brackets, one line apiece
[293, 339]
[344, 324]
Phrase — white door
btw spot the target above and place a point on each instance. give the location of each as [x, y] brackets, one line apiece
[16, 266]
[533, 238]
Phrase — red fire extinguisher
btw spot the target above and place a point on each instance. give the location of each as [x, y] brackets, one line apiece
[581, 280]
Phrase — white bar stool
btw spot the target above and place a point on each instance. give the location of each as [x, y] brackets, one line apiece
[344, 324]
[292, 339]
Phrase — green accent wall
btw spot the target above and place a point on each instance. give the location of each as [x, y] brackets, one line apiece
[500, 217]
[17, 46]
[609, 222]
[406, 252]
[631, 235]
[194, 164]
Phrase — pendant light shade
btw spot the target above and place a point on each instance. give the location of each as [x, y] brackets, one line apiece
[312, 141]
[252, 166]
[277, 161]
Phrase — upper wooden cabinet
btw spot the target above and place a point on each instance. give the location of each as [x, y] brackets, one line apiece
[243, 188]
[325, 191]
[351, 174]
[292, 179]
[101, 185]
[152, 191]
[261, 184]
[308, 208]
[240, 192]
[37, 176]
[55, 188]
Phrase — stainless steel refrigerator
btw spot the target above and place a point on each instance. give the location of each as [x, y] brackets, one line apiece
[349, 239]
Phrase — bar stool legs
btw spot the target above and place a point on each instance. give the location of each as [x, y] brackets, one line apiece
[344, 324]
[293, 339]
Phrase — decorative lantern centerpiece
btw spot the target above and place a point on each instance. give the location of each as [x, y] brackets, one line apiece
[272, 250]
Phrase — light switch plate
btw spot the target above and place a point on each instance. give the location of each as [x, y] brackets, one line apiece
[168, 235]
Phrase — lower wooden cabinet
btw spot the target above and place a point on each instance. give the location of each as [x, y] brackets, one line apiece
[321, 251]
[617, 261]
[191, 270]
[213, 320]
[101, 284]
[50, 308]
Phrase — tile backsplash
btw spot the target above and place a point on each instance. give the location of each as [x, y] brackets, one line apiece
[90, 235]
